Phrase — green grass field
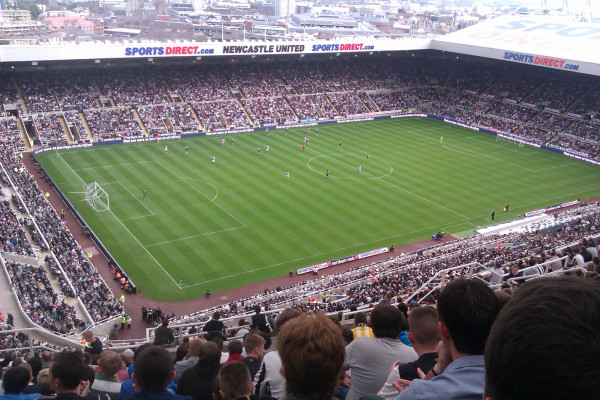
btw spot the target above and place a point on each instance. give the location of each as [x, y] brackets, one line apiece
[240, 221]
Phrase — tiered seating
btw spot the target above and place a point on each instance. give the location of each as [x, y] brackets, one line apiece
[561, 90]
[500, 96]
[398, 100]
[349, 76]
[207, 113]
[75, 90]
[38, 94]
[256, 80]
[12, 236]
[304, 107]
[38, 298]
[8, 92]
[182, 118]
[92, 290]
[73, 117]
[512, 111]
[307, 78]
[347, 103]
[517, 82]
[197, 85]
[152, 117]
[262, 110]
[111, 123]
[9, 134]
[50, 130]
[133, 87]
[324, 105]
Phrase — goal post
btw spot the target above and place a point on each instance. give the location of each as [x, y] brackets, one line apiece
[96, 197]
[510, 139]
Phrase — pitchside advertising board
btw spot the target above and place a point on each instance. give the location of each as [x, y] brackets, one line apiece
[543, 41]
[343, 260]
[144, 50]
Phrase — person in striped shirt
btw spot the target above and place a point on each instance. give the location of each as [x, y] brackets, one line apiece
[360, 326]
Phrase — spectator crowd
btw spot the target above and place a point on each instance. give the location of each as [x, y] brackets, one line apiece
[548, 107]
[468, 341]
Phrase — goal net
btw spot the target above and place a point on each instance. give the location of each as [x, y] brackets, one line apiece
[509, 139]
[96, 197]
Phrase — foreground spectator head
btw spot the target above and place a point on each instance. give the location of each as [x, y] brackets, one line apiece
[110, 362]
[234, 381]
[46, 357]
[127, 356]
[423, 323]
[235, 347]
[36, 366]
[153, 369]
[181, 352]
[312, 354]
[139, 350]
[209, 354]
[545, 343]
[467, 309]
[43, 382]
[386, 321]
[360, 318]
[194, 346]
[15, 380]
[218, 340]
[87, 358]
[25, 365]
[347, 334]
[66, 371]
[284, 317]
[403, 307]
[254, 345]
[266, 337]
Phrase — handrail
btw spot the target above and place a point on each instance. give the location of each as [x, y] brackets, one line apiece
[36, 328]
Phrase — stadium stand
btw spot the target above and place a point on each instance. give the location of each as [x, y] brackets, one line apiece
[50, 130]
[504, 97]
[510, 98]
[78, 275]
[39, 300]
[112, 123]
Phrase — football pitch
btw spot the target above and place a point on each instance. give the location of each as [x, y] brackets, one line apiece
[240, 221]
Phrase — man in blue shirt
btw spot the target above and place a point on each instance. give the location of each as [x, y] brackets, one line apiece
[467, 309]
[14, 383]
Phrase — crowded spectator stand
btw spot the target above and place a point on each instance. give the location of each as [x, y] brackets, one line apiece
[113, 107]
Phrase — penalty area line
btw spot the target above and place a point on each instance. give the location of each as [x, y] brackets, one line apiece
[123, 225]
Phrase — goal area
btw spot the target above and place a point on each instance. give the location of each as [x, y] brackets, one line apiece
[510, 139]
[96, 197]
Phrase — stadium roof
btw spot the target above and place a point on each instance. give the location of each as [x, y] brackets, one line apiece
[545, 41]
[548, 41]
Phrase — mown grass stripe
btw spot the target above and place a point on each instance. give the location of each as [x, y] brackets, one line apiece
[241, 222]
